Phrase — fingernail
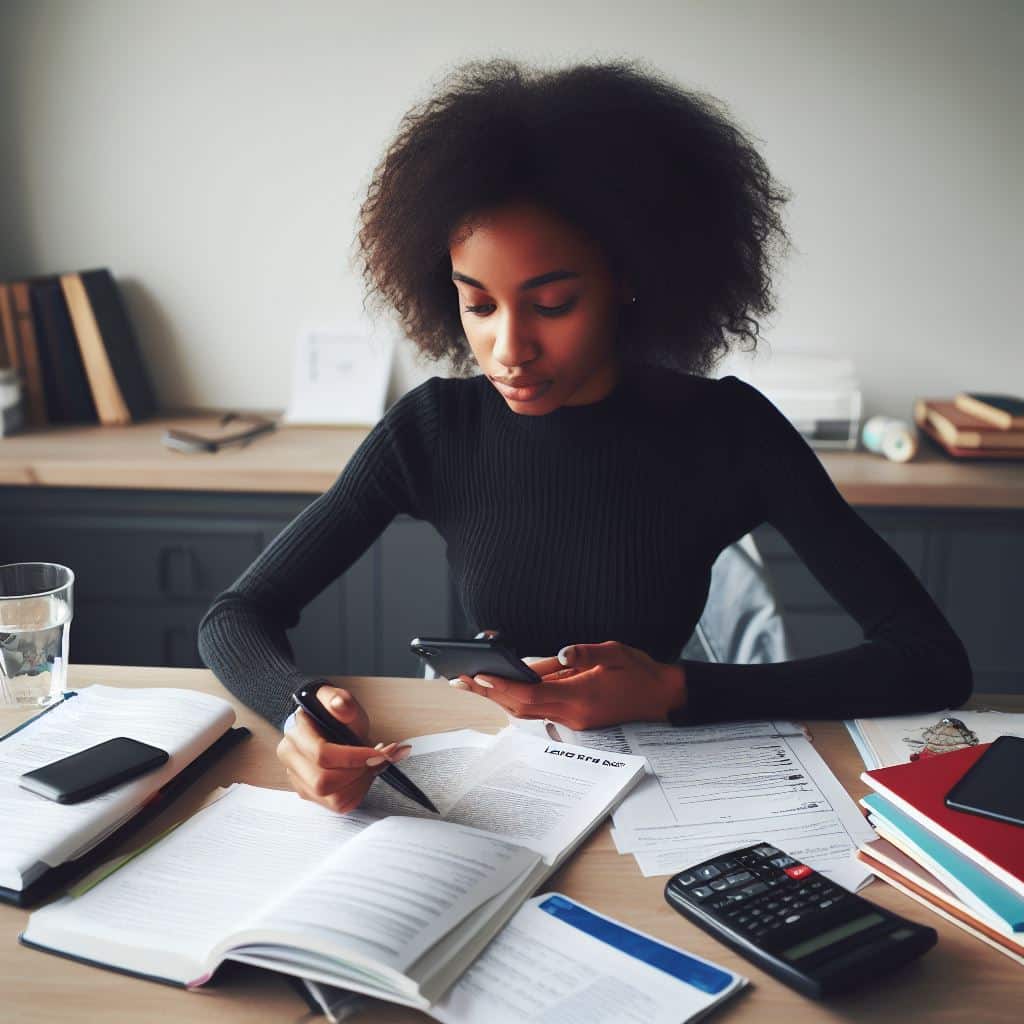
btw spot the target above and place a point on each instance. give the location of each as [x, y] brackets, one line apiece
[480, 681]
[565, 656]
[387, 748]
[377, 746]
[372, 762]
[400, 754]
[458, 684]
[337, 702]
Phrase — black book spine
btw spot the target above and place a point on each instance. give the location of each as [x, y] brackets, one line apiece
[120, 342]
[59, 348]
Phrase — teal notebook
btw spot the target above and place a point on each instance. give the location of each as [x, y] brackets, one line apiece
[1001, 901]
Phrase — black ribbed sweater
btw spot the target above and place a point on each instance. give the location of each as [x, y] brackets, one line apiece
[601, 522]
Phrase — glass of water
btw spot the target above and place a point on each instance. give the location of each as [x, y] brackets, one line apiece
[35, 620]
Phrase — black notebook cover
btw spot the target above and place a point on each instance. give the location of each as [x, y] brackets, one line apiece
[68, 396]
[70, 871]
[120, 342]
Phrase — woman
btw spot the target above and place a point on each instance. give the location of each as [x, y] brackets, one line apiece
[591, 240]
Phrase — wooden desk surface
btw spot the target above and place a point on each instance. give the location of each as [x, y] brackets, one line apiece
[306, 460]
[959, 975]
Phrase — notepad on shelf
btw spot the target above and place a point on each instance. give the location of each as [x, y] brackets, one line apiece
[44, 844]
[395, 906]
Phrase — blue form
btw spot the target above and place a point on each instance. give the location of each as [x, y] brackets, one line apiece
[697, 973]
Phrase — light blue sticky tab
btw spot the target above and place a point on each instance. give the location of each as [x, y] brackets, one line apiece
[679, 965]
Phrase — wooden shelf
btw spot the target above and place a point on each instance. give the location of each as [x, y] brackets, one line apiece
[307, 460]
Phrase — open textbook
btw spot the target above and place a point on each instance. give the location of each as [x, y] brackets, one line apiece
[40, 834]
[395, 906]
[714, 788]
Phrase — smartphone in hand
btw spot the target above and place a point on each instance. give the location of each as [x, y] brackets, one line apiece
[451, 658]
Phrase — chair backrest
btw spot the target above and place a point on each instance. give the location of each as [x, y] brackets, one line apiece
[742, 621]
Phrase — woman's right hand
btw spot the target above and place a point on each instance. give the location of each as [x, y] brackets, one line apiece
[330, 774]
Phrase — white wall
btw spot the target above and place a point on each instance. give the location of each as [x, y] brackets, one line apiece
[213, 154]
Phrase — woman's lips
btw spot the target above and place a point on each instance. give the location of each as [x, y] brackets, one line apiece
[524, 394]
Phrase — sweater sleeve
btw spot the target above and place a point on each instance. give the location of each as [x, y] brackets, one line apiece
[242, 637]
[910, 658]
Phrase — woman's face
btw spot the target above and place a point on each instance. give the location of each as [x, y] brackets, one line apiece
[539, 307]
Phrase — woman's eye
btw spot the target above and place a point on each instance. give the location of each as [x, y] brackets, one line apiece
[543, 310]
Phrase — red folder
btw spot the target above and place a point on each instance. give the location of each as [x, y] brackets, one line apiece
[919, 788]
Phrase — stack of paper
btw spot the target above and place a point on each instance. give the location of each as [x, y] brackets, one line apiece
[967, 868]
[711, 789]
[893, 739]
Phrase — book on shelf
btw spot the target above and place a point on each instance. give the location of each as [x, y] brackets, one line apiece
[966, 454]
[388, 900]
[8, 352]
[120, 386]
[903, 873]
[918, 789]
[26, 344]
[963, 429]
[68, 397]
[1003, 411]
[44, 844]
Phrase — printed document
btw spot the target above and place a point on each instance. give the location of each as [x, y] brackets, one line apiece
[717, 788]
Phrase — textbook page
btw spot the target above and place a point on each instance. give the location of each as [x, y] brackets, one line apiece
[38, 832]
[385, 897]
[544, 795]
[199, 882]
[541, 794]
[438, 764]
[586, 967]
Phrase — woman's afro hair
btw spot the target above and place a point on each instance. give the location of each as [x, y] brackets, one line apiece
[681, 203]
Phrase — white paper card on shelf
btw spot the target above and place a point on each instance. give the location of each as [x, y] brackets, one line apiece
[339, 378]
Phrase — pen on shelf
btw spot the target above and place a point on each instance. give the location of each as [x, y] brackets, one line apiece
[337, 732]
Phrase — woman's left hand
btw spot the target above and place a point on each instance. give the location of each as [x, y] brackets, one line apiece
[604, 684]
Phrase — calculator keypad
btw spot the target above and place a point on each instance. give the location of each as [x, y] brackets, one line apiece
[759, 892]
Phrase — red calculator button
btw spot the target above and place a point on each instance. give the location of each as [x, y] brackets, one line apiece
[798, 871]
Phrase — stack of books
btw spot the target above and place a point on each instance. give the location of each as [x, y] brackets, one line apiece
[968, 869]
[974, 425]
[69, 338]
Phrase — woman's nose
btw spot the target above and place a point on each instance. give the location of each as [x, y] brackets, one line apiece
[512, 344]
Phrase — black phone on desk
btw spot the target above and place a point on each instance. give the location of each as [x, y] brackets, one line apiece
[451, 658]
[992, 786]
[94, 770]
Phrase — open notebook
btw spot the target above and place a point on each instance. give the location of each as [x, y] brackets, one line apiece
[44, 844]
[392, 905]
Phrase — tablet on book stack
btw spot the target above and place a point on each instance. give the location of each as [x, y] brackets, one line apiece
[44, 845]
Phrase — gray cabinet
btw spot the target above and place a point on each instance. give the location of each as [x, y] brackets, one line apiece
[148, 563]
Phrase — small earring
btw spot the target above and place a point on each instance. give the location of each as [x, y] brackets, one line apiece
[633, 299]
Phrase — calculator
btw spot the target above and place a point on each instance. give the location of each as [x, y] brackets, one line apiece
[792, 922]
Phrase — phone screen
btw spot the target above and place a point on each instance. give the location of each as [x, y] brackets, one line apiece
[94, 770]
[991, 786]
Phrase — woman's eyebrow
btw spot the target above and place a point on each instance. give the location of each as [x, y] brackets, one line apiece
[533, 282]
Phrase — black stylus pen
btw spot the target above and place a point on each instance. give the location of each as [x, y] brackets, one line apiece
[337, 732]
